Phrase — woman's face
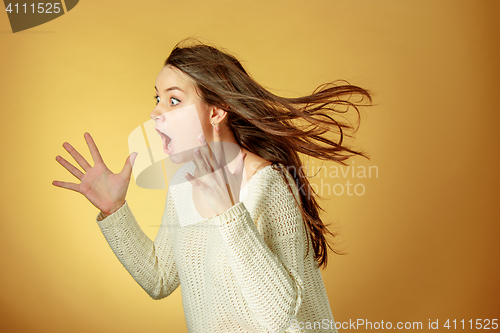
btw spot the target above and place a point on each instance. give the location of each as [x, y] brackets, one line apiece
[180, 114]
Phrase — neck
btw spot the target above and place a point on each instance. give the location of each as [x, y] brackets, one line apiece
[227, 150]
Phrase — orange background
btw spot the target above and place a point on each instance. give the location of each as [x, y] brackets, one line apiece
[423, 239]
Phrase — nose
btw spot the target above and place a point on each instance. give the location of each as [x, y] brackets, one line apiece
[156, 114]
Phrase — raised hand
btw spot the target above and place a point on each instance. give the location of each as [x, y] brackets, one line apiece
[104, 189]
[220, 187]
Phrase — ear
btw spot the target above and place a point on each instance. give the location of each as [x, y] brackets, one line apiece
[217, 115]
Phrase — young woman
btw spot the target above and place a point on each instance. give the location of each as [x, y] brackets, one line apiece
[243, 237]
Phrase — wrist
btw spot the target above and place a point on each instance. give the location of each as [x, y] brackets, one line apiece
[226, 207]
[116, 207]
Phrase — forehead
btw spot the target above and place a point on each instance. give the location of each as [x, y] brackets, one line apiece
[170, 76]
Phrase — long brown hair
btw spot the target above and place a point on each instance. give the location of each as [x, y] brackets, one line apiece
[267, 124]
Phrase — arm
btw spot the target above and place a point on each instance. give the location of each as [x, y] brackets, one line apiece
[151, 264]
[269, 269]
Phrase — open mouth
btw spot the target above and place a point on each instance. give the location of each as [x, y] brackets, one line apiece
[167, 142]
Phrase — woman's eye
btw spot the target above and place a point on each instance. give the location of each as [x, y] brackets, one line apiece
[174, 101]
[157, 98]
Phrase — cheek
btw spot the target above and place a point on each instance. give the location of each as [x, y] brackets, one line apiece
[203, 115]
[186, 127]
[204, 119]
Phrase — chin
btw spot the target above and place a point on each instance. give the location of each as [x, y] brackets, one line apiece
[182, 157]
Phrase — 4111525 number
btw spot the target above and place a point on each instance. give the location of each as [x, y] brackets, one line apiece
[42, 8]
[485, 324]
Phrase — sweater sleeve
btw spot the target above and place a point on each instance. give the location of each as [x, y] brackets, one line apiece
[268, 265]
[150, 263]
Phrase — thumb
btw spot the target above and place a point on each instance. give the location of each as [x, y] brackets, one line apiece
[127, 168]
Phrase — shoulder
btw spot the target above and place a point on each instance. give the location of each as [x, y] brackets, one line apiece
[253, 164]
[272, 183]
[274, 203]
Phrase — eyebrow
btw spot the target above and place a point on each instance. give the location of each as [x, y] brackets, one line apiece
[171, 88]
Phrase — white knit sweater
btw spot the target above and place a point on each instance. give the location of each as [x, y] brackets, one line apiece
[241, 271]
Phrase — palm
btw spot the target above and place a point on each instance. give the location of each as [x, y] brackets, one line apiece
[104, 189]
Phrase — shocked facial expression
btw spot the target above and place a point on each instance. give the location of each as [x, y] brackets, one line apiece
[180, 114]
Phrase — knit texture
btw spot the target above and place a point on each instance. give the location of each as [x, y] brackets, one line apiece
[241, 271]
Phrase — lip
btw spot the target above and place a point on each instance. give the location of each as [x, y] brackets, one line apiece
[166, 141]
[160, 131]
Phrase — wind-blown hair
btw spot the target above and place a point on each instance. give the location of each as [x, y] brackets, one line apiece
[277, 128]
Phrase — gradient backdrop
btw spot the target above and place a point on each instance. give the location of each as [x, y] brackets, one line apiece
[422, 241]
